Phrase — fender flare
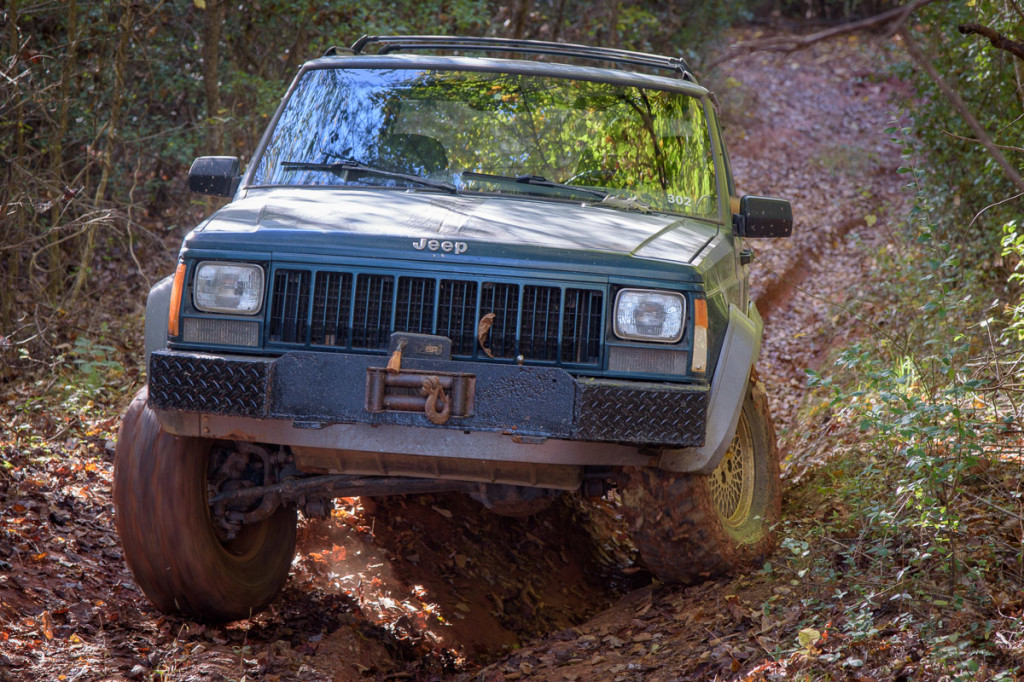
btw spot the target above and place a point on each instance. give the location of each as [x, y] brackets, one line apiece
[158, 307]
[740, 349]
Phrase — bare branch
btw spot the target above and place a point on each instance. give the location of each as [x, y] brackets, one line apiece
[1017, 9]
[997, 39]
[888, 22]
[975, 140]
[961, 107]
[998, 203]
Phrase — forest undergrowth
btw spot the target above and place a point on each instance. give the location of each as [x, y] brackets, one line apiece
[905, 520]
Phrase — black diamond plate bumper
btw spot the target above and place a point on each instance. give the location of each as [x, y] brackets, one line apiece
[631, 412]
[317, 389]
[209, 383]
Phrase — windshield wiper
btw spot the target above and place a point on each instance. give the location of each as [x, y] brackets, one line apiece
[627, 203]
[536, 180]
[353, 165]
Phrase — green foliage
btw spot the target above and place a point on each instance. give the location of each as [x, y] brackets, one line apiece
[960, 178]
[924, 400]
[686, 29]
[1013, 250]
[95, 362]
[86, 380]
[930, 398]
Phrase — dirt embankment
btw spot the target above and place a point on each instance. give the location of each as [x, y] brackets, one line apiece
[436, 587]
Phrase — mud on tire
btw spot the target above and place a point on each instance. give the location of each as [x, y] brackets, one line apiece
[688, 527]
[169, 541]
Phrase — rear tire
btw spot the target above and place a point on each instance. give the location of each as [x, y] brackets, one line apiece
[169, 541]
[688, 527]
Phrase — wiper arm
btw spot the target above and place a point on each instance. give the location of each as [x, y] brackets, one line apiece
[628, 203]
[537, 180]
[353, 165]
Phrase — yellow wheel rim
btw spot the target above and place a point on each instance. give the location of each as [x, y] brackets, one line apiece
[732, 481]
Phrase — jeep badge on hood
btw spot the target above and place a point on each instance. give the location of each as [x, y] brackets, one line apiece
[446, 246]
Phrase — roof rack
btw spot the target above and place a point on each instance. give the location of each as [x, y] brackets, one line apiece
[425, 42]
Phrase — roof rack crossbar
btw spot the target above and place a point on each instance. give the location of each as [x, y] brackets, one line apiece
[643, 61]
[427, 42]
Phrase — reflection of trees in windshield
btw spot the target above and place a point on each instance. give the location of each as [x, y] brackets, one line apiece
[318, 126]
[650, 143]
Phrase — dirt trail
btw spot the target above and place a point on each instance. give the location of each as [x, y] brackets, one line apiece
[815, 134]
[435, 587]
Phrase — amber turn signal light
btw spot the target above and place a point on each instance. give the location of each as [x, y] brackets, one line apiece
[700, 335]
[179, 285]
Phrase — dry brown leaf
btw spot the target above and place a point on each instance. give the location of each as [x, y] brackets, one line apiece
[46, 623]
[482, 330]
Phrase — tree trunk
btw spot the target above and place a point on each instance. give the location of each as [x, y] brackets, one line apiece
[57, 271]
[15, 226]
[211, 73]
[522, 13]
[613, 24]
[556, 24]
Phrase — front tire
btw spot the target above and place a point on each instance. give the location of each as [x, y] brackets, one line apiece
[169, 541]
[688, 527]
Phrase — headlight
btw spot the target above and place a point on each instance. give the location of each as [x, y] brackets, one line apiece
[645, 315]
[235, 288]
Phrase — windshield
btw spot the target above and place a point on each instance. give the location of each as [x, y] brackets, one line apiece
[496, 133]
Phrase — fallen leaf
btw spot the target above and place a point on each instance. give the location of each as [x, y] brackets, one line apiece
[483, 329]
[808, 637]
[46, 622]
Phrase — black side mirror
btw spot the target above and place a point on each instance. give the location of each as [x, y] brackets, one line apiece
[763, 217]
[217, 176]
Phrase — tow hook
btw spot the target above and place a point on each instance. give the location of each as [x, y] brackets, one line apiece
[431, 388]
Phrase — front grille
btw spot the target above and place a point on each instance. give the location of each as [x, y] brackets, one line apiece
[360, 311]
[583, 320]
[501, 300]
[332, 298]
[456, 314]
[541, 306]
[371, 317]
[414, 306]
[289, 305]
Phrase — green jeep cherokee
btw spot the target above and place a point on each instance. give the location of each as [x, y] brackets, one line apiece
[447, 268]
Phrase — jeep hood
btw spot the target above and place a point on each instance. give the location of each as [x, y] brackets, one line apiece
[485, 223]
